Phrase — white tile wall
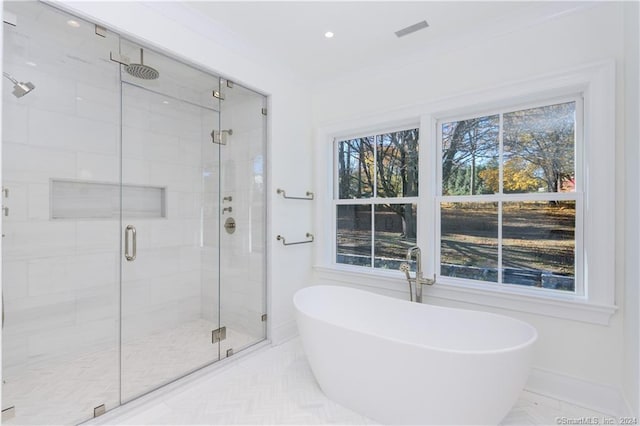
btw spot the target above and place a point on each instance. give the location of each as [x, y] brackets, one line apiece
[26, 163]
[38, 201]
[96, 167]
[61, 278]
[16, 123]
[56, 130]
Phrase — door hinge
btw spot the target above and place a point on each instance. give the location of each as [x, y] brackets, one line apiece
[101, 31]
[121, 59]
[99, 410]
[218, 95]
[263, 317]
[264, 111]
[230, 84]
[218, 335]
[220, 136]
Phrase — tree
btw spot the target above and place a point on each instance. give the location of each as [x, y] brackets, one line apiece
[538, 152]
[467, 146]
[518, 175]
[542, 139]
[396, 171]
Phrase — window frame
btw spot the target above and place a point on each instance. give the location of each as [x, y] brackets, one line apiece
[372, 201]
[597, 84]
[501, 197]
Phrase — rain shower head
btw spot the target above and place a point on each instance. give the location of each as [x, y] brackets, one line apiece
[19, 88]
[141, 70]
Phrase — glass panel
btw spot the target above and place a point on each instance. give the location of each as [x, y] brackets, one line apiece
[539, 149]
[395, 232]
[470, 152]
[242, 253]
[469, 240]
[397, 164]
[355, 168]
[353, 235]
[538, 240]
[60, 278]
[170, 291]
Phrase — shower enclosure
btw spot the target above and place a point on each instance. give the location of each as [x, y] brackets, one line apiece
[133, 248]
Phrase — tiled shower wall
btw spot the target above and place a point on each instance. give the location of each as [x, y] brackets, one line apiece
[65, 284]
[60, 277]
[162, 143]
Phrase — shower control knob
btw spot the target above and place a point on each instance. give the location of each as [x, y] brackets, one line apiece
[230, 225]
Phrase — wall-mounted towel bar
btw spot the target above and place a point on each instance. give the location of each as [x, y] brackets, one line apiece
[285, 243]
[309, 195]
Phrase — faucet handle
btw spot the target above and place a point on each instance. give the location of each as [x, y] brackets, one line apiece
[406, 268]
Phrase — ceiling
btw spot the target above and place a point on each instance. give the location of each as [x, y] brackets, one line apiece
[293, 32]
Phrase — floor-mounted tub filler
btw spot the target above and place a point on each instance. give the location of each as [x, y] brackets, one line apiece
[399, 362]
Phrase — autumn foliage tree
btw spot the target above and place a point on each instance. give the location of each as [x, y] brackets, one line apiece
[538, 152]
[394, 165]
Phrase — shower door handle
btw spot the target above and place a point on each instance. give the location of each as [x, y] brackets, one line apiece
[130, 229]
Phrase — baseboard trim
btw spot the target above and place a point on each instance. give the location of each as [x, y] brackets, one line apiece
[595, 396]
[283, 332]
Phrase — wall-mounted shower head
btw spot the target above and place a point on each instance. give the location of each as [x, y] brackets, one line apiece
[141, 70]
[19, 88]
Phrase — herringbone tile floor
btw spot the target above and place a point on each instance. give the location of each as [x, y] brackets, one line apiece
[57, 392]
[276, 386]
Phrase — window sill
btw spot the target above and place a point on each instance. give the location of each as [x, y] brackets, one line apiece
[557, 306]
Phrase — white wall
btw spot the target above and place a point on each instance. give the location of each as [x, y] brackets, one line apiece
[631, 374]
[592, 353]
[185, 34]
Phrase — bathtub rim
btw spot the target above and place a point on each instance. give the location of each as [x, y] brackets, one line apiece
[528, 342]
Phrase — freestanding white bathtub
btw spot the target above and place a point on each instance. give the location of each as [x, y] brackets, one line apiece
[399, 362]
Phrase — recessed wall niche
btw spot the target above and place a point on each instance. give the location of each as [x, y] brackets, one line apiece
[97, 200]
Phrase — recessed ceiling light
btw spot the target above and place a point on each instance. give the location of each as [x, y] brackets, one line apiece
[78, 98]
[31, 64]
[328, 34]
[165, 102]
[72, 23]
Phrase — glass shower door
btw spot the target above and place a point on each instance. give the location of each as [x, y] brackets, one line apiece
[242, 249]
[169, 262]
[60, 242]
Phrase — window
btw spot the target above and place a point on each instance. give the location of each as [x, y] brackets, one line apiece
[516, 208]
[509, 198]
[375, 198]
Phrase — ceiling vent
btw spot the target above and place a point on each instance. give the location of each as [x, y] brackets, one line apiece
[412, 29]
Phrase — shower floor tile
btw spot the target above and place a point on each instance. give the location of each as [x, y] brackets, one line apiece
[276, 386]
[66, 391]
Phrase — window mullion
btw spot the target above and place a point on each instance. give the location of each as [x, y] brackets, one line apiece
[501, 191]
[500, 268]
[375, 197]
[373, 234]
